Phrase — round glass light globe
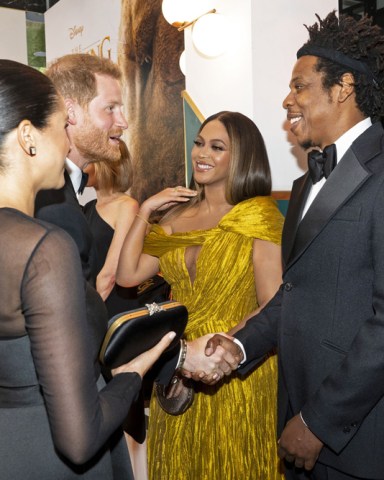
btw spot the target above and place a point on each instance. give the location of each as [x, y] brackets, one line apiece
[182, 62]
[175, 11]
[210, 34]
[179, 11]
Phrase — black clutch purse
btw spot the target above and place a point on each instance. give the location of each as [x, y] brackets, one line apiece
[131, 333]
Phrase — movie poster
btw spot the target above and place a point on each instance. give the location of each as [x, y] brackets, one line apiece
[134, 34]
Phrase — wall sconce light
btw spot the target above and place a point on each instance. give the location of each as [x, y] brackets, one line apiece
[179, 13]
[209, 29]
[182, 63]
[210, 34]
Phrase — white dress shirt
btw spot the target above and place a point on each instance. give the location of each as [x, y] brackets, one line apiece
[75, 174]
[342, 145]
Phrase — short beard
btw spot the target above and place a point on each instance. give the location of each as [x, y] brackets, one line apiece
[93, 144]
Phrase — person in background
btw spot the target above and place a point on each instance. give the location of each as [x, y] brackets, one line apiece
[58, 419]
[327, 319]
[109, 218]
[219, 249]
[92, 95]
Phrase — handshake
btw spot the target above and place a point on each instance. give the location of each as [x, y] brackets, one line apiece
[210, 357]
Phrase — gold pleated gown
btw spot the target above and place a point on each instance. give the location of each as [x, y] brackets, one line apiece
[229, 432]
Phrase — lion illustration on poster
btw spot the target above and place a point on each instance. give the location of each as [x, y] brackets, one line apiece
[149, 55]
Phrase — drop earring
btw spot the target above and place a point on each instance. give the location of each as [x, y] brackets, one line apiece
[32, 151]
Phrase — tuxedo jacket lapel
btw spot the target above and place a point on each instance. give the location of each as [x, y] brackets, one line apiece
[347, 177]
[300, 190]
[70, 193]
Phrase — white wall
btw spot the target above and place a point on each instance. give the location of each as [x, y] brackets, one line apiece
[225, 82]
[282, 32]
[253, 75]
[13, 35]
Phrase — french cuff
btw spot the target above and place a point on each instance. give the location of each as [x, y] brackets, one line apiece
[302, 419]
[242, 349]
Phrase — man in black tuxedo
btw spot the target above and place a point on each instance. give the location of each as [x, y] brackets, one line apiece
[90, 87]
[92, 94]
[327, 319]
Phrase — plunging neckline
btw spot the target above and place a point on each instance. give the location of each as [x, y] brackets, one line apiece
[185, 249]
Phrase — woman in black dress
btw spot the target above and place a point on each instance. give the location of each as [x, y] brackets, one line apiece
[109, 216]
[58, 419]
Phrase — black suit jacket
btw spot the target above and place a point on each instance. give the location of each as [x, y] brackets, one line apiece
[327, 319]
[61, 207]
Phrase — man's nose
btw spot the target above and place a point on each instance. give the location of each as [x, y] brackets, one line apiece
[288, 100]
[121, 121]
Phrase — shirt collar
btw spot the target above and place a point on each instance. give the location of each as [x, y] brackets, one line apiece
[74, 173]
[346, 140]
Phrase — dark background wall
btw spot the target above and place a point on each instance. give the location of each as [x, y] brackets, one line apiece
[39, 6]
[357, 8]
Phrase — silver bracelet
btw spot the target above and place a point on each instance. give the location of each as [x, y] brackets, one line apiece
[183, 354]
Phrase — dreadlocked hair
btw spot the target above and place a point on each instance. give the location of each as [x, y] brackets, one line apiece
[359, 40]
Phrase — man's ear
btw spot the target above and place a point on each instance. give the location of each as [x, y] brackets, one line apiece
[347, 84]
[26, 138]
[70, 106]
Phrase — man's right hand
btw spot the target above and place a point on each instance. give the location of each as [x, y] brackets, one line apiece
[231, 353]
[227, 343]
[210, 361]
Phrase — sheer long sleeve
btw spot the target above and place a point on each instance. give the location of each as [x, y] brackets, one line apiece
[53, 303]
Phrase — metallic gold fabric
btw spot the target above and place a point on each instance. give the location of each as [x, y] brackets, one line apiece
[229, 432]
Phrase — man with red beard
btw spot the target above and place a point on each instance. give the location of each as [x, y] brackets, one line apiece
[92, 94]
[90, 87]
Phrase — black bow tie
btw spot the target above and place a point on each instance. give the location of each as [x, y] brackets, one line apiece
[83, 183]
[321, 164]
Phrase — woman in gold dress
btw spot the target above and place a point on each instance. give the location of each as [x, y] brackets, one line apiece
[220, 251]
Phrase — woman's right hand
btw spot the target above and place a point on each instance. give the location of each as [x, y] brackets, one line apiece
[167, 198]
[142, 363]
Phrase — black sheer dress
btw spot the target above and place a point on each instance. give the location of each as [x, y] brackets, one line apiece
[58, 420]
